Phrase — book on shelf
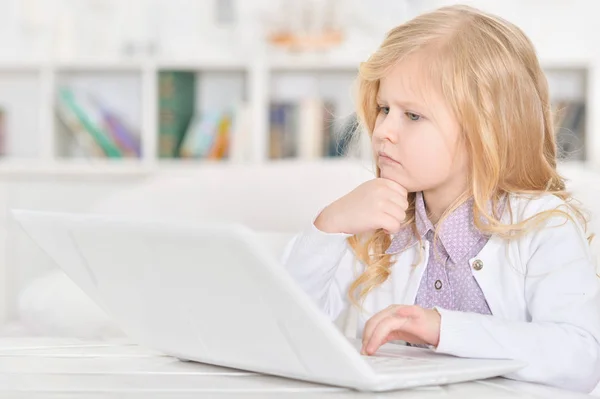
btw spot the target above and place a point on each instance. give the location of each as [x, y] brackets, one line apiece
[124, 138]
[218, 134]
[198, 139]
[79, 142]
[177, 104]
[308, 129]
[95, 130]
[283, 130]
[570, 129]
[240, 142]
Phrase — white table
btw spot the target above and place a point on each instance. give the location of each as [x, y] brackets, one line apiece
[71, 368]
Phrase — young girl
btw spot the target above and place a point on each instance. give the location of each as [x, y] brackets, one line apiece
[466, 241]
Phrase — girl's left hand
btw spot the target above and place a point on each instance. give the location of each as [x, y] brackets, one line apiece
[412, 324]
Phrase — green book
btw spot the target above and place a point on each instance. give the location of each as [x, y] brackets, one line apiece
[99, 136]
[177, 97]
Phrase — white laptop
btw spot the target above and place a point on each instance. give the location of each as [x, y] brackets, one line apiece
[214, 294]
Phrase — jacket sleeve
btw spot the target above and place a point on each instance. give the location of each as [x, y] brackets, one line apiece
[561, 342]
[321, 263]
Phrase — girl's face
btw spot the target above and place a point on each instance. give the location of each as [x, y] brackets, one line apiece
[417, 139]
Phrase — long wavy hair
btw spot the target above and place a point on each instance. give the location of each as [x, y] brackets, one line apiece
[488, 72]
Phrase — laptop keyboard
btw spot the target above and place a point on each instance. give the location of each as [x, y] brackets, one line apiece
[388, 363]
[391, 359]
[396, 359]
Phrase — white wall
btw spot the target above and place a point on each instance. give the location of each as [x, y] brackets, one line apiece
[559, 29]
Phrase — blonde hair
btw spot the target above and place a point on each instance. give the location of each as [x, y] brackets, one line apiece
[489, 74]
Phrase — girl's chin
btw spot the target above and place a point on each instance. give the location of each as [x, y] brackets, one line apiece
[401, 179]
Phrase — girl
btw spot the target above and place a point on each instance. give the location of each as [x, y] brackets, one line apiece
[466, 241]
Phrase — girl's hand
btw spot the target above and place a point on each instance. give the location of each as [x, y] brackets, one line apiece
[376, 204]
[412, 324]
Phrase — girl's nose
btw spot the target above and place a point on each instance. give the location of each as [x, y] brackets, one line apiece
[387, 130]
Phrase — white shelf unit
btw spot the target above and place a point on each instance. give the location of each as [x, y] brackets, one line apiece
[571, 104]
[30, 96]
[258, 81]
[332, 86]
[22, 94]
[120, 89]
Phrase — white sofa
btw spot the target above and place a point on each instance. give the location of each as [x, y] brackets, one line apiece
[277, 199]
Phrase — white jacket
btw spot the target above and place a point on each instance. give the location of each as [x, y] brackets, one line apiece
[542, 290]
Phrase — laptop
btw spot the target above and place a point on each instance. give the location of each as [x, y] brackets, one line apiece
[215, 294]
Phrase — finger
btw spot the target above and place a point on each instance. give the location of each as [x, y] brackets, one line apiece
[398, 200]
[395, 186]
[374, 320]
[397, 211]
[410, 312]
[425, 323]
[391, 224]
[415, 330]
[385, 203]
[400, 335]
[384, 329]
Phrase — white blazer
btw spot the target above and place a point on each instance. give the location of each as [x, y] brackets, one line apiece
[542, 290]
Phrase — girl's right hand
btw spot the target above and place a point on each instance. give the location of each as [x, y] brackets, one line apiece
[376, 204]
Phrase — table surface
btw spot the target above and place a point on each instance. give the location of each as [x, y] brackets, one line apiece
[36, 367]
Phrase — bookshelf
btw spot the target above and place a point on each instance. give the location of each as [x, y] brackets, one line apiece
[568, 90]
[318, 104]
[20, 110]
[35, 141]
[106, 98]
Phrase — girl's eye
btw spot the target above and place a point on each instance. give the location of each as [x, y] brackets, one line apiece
[412, 116]
[383, 110]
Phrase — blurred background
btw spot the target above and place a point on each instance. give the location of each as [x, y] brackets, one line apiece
[154, 82]
[223, 110]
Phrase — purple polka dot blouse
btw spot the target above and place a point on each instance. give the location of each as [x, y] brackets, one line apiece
[447, 281]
